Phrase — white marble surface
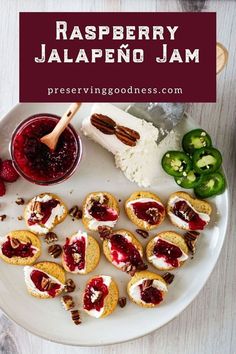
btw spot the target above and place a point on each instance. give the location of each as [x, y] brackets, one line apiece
[208, 325]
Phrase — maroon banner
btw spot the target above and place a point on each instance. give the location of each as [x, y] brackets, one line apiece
[118, 57]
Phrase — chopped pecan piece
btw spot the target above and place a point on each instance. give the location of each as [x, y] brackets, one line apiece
[95, 296]
[14, 242]
[20, 201]
[69, 286]
[122, 301]
[142, 233]
[129, 269]
[67, 302]
[76, 257]
[2, 217]
[142, 266]
[103, 123]
[147, 283]
[75, 317]
[154, 215]
[55, 250]
[75, 212]
[105, 232]
[168, 277]
[46, 283]
[50, 237]
[20, 218]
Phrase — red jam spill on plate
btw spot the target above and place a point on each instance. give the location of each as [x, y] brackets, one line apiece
[150, 295]
[23, 250]
[102, 212]
[46, 211]
[96, 284]
[77, 247]
[187, 214]
[169, 252]
[37, 276]
[148, 211]
[124, 251]
[35, 159]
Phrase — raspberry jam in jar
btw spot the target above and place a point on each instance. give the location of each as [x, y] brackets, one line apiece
[34, 160]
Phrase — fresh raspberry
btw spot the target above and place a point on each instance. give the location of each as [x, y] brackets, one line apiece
[7, 171]
[2, 188]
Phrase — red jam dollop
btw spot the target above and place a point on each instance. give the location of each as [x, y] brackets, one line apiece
[45, 212]
[102, 212]
[150, 295]
[148, 211]
[96, 284]
[37, 277]
[23, 250]
[35, 159]
[168, 251]
[183, 211]
[124, 251]
[76, 247]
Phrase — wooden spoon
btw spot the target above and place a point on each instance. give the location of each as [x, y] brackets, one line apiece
[51, 139]
[221, 57]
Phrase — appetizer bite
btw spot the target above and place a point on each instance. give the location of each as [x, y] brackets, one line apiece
[147, 289]
[45, 280]
[167, 250]
[145, 210]
[100, 209]
[81, 253]
[20, 247]
[100, 296]
[44, 212]
[124, 251]
[188, 213]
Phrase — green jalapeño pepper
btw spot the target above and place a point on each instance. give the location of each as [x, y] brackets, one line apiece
[175, 163]
[210, 185]
[188, 180]
[196, 139]
[206, 160]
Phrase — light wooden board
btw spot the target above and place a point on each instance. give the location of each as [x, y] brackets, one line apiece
[208, 325]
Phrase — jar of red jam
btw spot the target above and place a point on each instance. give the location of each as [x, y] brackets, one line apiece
[34, 160]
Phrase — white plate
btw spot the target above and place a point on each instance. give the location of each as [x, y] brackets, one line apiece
[47, 318]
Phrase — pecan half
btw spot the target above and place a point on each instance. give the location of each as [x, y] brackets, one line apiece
[75, 212]
[50, 237]
[55, 250]
[122, 301]
[142, 233]
[75, 317]
[103, 123]
[126, 135]
[168, 277]
[69, 286]
[191, 239]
